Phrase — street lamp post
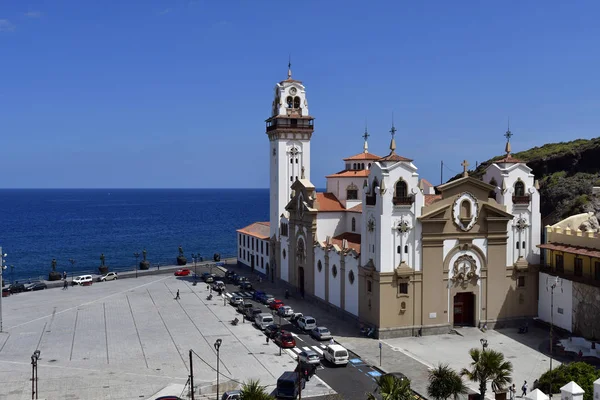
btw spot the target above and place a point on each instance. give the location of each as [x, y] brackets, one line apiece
[2, 268]
[136, 255]
[217, 346]
[34, 374]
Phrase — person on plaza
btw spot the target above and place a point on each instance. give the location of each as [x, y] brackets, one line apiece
[65, 285]
[65, 275]
[511, 391]
[177, 295]
[524, 389]
[267, 342]
[331, 341]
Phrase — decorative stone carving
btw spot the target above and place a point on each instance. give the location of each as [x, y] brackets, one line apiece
[371, 225]
[465, 223]
[464, 269]
[591, 225]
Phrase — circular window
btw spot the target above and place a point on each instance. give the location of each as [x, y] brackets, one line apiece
[351, 277]
[334, 271]
[284, 253]
[403, 305]
[319, 266]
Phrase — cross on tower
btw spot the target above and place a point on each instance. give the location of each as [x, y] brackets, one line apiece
[508, 135]
[366, 135]
[402, 228]
[465, 164]
[393, 130]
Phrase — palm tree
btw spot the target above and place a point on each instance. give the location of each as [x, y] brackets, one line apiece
[393, 388]
[488, 366]
[445, 382]
[253, 390]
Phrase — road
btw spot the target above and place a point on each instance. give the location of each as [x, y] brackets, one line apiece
[350, 382]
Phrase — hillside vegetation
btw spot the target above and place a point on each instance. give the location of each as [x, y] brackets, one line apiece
[566, 171]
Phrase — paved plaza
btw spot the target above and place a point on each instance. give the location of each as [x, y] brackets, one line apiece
[129, 339]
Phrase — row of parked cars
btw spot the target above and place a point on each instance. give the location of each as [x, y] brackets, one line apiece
[30, 286]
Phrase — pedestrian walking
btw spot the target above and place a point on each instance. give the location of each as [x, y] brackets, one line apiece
[524, 389]
[177, 295]
[65, 285]
[267, 340]
[511, 390]
[331, 341]
[65, 275]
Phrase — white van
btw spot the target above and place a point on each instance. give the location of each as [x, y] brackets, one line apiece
[336, 354]
[263, 320]
[83, 279]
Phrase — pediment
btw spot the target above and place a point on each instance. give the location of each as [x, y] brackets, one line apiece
[478, 188]
[495, 212]
[436, 213]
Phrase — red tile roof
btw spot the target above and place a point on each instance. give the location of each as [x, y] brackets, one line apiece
[328, 202]
[431, 198]
[363, 156]
[426, 183]
[394, 157]
[350, 173]
[509, 159]
[352, 238]
[357, 208]
[567, 248]
[259, 230]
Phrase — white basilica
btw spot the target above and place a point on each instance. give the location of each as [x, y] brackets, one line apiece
[387, 248]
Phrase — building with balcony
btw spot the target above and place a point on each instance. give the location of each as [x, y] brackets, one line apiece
[572, 264]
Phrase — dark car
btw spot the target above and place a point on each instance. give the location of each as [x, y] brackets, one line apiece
[37, 286]
[251, 313]
[245, 285]
[5, 291]
[272, 330]
[17, 288]
[257, 295]
[240, 279]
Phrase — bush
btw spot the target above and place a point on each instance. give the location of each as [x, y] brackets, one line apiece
[581, 373]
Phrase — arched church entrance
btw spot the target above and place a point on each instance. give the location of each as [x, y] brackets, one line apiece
[301, 280]
[464, 309]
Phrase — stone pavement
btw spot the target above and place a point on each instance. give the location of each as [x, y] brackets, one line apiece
[130, 339]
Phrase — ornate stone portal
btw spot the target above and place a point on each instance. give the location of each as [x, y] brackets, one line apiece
[464, 269]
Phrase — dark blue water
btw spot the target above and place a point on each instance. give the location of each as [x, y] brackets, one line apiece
[39, 225]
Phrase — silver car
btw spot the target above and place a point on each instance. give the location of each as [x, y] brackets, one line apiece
[235, 300]
[321, 333]
[309, 357]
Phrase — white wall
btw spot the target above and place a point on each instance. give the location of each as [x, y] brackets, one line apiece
[284, 261]
[357, 217]
[319, 276]
[351, 289]
[563, 300]
[334, 283]
[330, 224]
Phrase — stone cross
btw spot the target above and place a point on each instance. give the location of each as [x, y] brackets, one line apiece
[366, 135]
[521, 225]
[465, 164]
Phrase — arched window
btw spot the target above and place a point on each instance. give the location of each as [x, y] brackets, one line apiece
[354, 166]
[353, 224]
[296, 102]
[492, 194]
[319, 266]
[289, 101]
[519, 188]
[405, 249]
[372, 197]
[334, 271]
[401, 189]
[465, 209]
[352, 192]
[362, 166]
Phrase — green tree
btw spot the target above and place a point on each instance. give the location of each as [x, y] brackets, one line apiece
[488, 366]
[392, 388]
[444, 382]
[581, 373]
[253, 390]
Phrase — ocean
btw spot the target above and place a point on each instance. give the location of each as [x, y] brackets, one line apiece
[38, 225]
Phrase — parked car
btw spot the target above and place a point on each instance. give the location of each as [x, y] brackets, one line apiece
[218, 285]
[256, 296]
[232, 395]
[294, 318]
[309, 357]
[272, 330]
[284, 339]
[182, 272]
[37, 286]
[31, 283]
[321, 333]
[245, 285]
[276, 304]
[235, 300]
[111, 276]
[6, 291]
[267, 298]
[285, 311]
[336, 354]
[83, 280]
[17, 288]
[251, 313]
[307, 323]
[240, 279]
[243, 306]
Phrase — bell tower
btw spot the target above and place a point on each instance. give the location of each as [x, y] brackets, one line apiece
[289, 129]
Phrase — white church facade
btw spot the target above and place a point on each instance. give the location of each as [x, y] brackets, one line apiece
[385, 247]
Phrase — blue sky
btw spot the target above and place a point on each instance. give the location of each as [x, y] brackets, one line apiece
[174, 93]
